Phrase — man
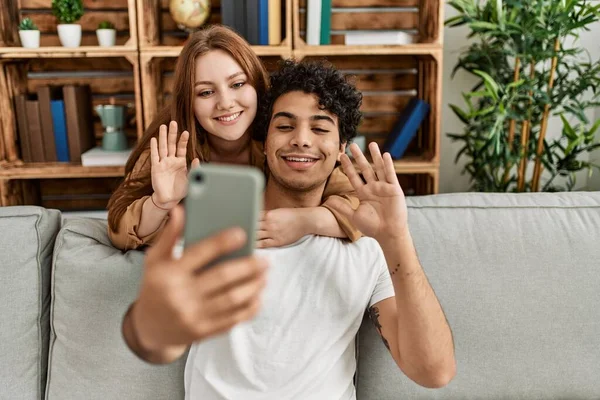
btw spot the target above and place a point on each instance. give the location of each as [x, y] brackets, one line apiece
[301, 343]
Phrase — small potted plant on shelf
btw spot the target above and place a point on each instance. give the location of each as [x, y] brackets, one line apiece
[106, 33]
[29, 34]
[68, 12]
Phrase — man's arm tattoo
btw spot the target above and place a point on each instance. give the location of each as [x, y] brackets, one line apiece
[374, 315]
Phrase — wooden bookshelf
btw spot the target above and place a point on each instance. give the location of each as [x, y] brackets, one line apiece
[140, 74]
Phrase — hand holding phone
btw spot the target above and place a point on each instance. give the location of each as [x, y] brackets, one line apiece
[221, 197]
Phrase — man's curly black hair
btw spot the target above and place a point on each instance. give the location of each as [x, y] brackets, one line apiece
[336, 94]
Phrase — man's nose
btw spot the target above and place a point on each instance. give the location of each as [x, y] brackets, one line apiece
[302, 137]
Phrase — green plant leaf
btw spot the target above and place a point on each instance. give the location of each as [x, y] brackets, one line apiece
[460, 113]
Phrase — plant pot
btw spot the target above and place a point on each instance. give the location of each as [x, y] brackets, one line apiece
[30, 39]
[69, 35]
[106, 37]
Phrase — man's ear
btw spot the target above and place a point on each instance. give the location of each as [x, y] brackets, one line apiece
[342, 150]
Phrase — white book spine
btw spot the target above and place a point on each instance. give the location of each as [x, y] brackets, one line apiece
[377, 38]
[313, 22]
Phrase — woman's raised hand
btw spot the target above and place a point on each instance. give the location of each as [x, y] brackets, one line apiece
[169, 166]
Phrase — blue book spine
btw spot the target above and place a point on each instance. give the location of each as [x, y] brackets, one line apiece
[263, 22]
[57, 107]
[406, 128]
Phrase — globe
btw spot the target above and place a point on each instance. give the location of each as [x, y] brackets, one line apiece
[189, 14]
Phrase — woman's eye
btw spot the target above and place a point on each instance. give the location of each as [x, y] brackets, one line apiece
[238, 85]
[205, 93]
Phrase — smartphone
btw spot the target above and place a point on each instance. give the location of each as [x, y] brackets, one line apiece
[221, 197]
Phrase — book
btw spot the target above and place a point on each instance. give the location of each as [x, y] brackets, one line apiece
[23, 127]
[59, 125]
[373, 38]
[313, 22]
[406, 128]
[274, 22]
[263, 22]
[97, 157]
[325, 22]
[36, 141]
[78, 113]
[45, 96]
[252, 35]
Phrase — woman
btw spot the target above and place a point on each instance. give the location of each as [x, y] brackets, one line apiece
[218, 84]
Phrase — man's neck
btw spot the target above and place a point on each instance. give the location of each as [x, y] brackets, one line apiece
[278, 196]
[230, 152]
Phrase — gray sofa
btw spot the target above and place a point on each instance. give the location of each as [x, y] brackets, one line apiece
[518, 277]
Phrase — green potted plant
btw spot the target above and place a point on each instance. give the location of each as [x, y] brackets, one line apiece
[529, 69]
[106, 34]
[68, 12]
[29, 34]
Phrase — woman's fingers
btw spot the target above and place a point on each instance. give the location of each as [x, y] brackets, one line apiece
[162, 141]
[172, 139]
[182, 145]
[154, 157]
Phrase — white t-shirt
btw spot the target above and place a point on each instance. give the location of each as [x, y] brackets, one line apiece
[301, 345]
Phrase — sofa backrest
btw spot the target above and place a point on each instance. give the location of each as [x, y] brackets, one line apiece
[27, 237]
[92, 285]
[518, 276]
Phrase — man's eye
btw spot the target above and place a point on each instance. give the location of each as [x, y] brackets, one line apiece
[285, 127]
[238, 85]
[320, 130]
[205, 93]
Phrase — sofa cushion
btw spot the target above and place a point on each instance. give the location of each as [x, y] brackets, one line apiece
[92, 285]
[26, 240]
[518, 276]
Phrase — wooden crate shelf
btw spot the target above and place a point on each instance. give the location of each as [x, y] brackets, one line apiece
[63, 52]
[122, 13]
[112, 80]
[421, 18]
[138, 71]
[157, 28]
[58, 170]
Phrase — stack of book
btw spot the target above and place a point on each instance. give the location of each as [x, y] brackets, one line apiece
[55, 123]
[259, 21]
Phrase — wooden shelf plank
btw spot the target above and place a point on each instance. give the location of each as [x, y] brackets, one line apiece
[174, 51]
[413, 165]
[58, 170]
[427, 49]
[65, 52]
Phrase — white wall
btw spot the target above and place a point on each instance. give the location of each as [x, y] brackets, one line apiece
[455, 41]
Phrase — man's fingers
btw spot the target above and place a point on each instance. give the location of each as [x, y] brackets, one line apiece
[154, 158]
[363, 163]
[261, 234]
[236, 296]
[172, 139]
[163, 248]
[266, 243]
[390, 171]
[199, 254]
[350, 172]
[162, 141]
[230, 273]
[377, 161]
[229, 320]
[182, 145]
